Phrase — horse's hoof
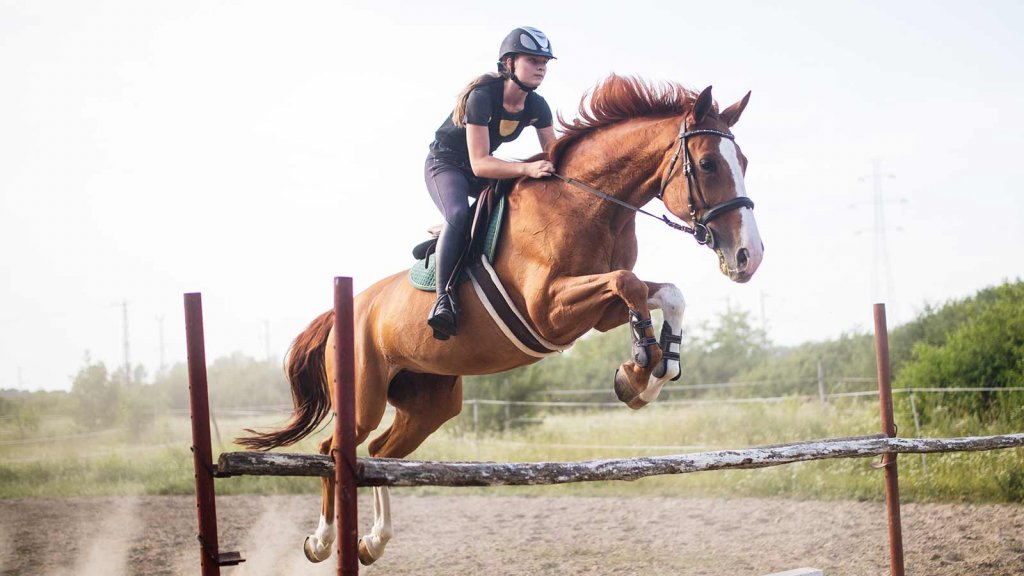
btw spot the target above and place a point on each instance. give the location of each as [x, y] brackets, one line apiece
[623, 390]
[309, 548]
[364, 554]
[637, 403]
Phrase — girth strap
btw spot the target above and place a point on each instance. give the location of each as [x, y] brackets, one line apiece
[506, 316]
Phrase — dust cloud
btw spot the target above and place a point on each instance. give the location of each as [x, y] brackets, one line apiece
[273, 544]
[107, 542]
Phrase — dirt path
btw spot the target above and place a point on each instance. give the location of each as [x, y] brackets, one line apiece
[489, 535]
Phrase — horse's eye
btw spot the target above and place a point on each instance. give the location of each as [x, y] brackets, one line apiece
[707, 165]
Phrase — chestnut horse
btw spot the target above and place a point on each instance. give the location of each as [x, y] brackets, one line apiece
[565, 263]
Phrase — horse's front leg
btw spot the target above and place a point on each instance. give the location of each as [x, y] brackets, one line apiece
[669, 299]
[609, 300]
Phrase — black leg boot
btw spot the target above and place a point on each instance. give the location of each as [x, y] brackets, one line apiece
[443, 316]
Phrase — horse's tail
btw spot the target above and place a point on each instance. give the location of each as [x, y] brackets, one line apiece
[310, 393]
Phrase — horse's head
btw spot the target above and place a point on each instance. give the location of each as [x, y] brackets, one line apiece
[703, 184]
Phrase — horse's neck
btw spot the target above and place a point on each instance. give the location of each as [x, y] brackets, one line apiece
[622, 160]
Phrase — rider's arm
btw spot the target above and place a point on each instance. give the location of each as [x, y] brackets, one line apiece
[478, 141]
[546, 136]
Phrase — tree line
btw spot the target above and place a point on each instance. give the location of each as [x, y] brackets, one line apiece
[973, 342]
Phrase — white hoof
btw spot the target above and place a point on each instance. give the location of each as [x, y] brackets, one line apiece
[365, 557]
[315, 550]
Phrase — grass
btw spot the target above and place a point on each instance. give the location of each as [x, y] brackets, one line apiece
[158, 461]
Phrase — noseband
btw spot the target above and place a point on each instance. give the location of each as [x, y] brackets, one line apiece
[700, 230]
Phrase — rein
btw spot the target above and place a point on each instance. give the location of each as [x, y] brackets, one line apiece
[663, 218]
[700, 231]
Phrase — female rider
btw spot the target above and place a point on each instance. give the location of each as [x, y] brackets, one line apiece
[492, 109]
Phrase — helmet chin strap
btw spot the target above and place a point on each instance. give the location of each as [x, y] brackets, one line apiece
[522, 86]
[512, 75]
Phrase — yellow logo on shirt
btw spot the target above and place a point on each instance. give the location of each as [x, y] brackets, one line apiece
[508, 127]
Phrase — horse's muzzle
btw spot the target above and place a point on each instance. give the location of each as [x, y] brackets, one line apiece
[739, 265]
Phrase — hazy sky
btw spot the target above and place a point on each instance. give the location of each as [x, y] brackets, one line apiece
[254, 150]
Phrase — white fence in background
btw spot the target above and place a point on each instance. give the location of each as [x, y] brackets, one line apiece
[473, 404]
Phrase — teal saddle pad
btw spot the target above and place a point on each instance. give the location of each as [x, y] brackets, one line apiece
[422, 274]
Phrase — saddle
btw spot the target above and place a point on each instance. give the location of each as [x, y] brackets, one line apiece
[488, 216]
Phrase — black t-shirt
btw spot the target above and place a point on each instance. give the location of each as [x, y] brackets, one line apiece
[485, 108]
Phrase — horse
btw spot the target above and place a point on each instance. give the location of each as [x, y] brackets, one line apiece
[565, 264]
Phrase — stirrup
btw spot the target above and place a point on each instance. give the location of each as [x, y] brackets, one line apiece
[667, 339]
[443, 317]
[641, 342]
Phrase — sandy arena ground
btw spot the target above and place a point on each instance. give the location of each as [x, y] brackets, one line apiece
[489, 535]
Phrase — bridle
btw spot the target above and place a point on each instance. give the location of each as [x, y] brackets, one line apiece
[700, 230]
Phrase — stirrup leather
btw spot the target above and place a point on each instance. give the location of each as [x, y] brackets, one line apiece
[639, 325]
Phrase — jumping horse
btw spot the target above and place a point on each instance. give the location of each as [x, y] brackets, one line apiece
[565, 264]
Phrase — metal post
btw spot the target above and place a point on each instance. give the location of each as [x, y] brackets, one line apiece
[344, 452]
[892, 485]
[821, 383]
[917, 429]
[202, 453]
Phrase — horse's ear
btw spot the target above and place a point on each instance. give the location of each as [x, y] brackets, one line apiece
[732, 114]
[703, 105]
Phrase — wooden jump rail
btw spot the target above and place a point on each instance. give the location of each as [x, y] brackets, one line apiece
[396, 472]
[353, 472]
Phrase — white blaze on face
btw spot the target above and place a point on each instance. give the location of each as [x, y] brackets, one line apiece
[749, 237]
[727, 148]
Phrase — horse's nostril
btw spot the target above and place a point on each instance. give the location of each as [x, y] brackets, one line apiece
[741, 259]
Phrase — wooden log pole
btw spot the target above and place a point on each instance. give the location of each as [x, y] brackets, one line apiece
[395, 472]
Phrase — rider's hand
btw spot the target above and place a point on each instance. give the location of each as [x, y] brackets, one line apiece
[539, 169]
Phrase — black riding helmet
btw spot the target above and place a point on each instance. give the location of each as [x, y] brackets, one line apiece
[523, 40]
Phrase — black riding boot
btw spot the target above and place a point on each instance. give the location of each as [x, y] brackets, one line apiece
[443, 316]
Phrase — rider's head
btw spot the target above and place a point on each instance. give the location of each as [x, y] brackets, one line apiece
[523, 57]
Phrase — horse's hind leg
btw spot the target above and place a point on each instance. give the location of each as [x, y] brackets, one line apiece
[423, 402]
[318, 545]
[370, 401]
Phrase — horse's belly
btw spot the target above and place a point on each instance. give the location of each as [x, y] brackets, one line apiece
[400, 330]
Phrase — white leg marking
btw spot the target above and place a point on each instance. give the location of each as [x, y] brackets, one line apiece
[323, 538]
[668, 299]
[381, 532]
